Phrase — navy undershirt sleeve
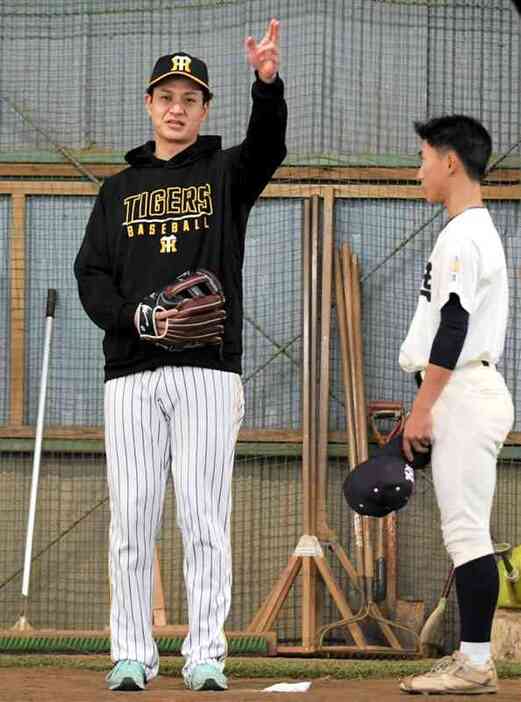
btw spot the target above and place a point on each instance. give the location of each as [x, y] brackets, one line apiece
[450, 337]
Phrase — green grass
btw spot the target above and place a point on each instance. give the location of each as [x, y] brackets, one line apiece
[259, 667]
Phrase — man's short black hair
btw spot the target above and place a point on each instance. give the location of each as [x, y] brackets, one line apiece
[464, 135]
[207, 95]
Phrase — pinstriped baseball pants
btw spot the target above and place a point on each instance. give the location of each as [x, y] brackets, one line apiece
[184, 420]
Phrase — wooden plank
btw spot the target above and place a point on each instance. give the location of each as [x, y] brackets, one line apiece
[340, 600]
[323, 529]
[291, 173]
[274, 435]
[57, 170]
[501, 192]
[391, 555]
[246, 436]
[63, 187]
[309, 601]
[17, 311]
[306, 371]
[403, 174]
[350, 651]
[273, 190]
[47, 187]
[298, 650]
[262, 449]
[415, 192]
[19, 430]
[268, 612]
[346, 173]
[373, 652]
[314, 359]
[342, 556]
[158, 598]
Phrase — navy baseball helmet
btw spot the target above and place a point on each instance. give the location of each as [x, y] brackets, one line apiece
[385, 482]
[394, 448]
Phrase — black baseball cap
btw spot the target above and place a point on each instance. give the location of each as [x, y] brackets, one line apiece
[381, 485]
[180, 64]
[385, 482]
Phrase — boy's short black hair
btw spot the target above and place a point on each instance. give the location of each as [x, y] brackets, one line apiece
[464, 135]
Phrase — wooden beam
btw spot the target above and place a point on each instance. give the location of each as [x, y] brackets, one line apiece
[79, 433]
[340, 600]
[17, 430]
[57, 170]
[267, 614]
[306, 368]
[273, 190]
[47, 187]
[158, 597]
[309, 601]
[17, 311]
[415, 192]
[323, 530]
[340, 174]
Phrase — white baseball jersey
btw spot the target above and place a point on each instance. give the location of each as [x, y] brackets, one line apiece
[467, 259]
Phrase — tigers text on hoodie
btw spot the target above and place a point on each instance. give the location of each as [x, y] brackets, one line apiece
[158, 219]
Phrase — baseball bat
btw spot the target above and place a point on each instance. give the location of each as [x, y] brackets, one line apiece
[158, 597]
[431, 633]
[361, 415]
[504, 550]
[393, 411]
[380, 566]
[49, 314]
[512, 571]
[512, 575]
[346, 362]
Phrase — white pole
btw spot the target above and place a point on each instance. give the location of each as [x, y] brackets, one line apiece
[51, 305]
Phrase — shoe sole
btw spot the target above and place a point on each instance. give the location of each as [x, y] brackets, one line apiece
[210, 684]
[127, 685]
[475, 691]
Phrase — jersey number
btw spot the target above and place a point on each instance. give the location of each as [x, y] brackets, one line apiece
[426, 285]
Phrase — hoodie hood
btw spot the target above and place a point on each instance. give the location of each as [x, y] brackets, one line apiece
[144, 156]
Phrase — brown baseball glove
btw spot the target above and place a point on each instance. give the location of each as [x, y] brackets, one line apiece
[195, 303]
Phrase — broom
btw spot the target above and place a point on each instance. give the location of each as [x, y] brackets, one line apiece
[431, 633]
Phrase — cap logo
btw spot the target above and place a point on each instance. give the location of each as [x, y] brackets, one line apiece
[181, 63]
[409, 473]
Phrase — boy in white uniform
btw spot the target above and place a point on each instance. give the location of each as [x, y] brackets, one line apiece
[463, 407]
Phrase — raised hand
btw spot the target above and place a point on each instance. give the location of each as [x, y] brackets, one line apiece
[264, 56]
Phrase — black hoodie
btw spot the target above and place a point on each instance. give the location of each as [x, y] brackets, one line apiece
[158, 219]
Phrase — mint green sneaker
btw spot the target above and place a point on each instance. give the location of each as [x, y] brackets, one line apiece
[127, 675]
[206, 676]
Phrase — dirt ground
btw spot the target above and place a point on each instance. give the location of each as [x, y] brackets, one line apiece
[55, 685]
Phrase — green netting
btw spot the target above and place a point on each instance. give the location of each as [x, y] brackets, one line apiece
[357, 74]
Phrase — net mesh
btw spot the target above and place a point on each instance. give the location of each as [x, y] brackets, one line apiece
[357, 75]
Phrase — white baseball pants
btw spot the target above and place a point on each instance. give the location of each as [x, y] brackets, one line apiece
[184, 420]
[471, 419]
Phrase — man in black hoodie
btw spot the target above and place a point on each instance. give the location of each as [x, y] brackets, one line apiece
[183, 204]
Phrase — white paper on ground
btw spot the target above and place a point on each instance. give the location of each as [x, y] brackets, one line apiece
[288, 687]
